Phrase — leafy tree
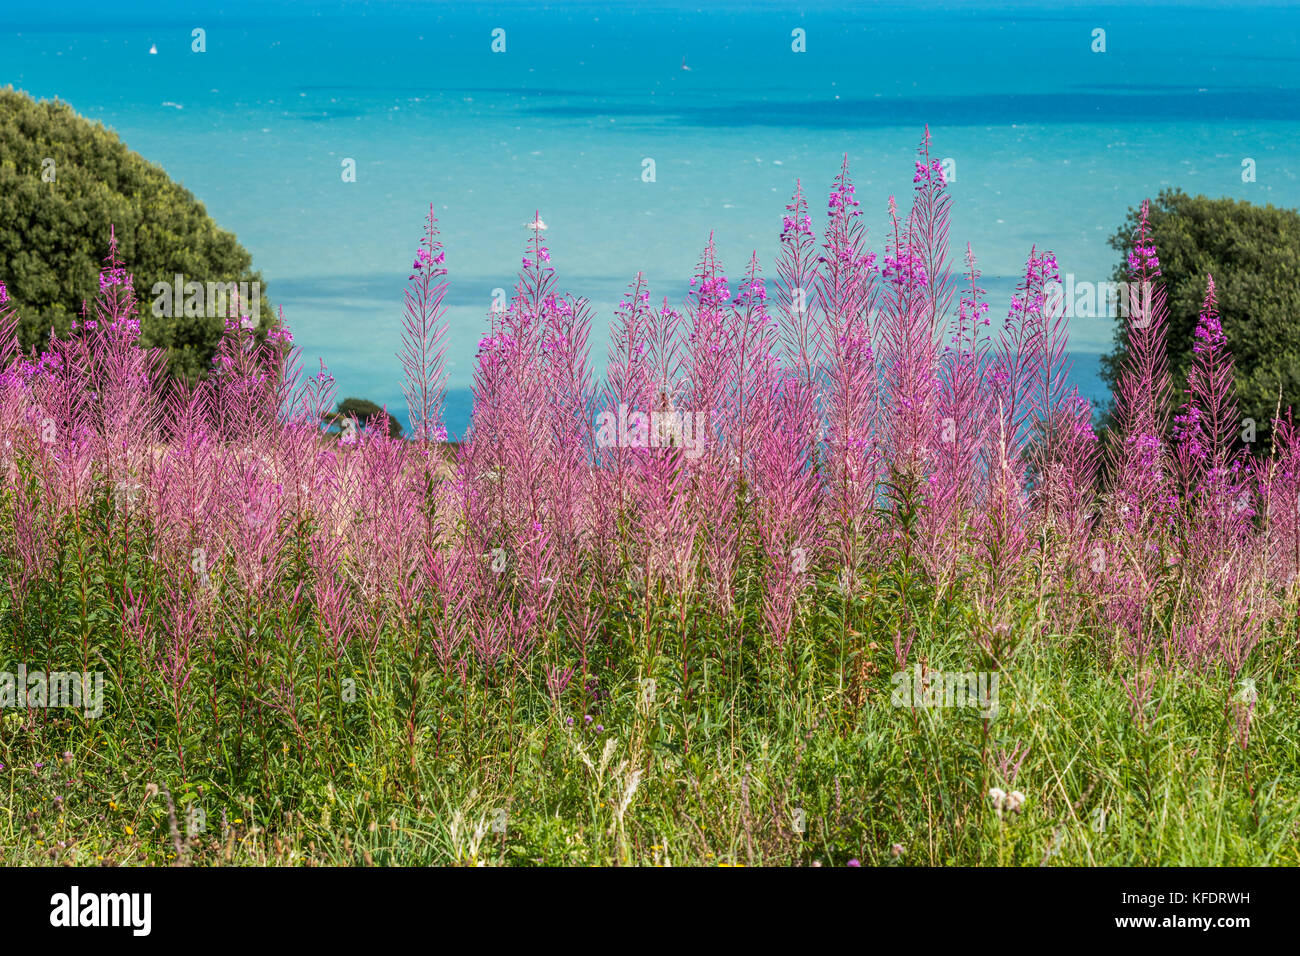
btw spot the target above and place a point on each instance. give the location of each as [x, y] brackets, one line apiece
[366, 412]
[64, 182]
[1253, 252]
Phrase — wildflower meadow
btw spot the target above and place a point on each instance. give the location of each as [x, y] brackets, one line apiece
[824, 566]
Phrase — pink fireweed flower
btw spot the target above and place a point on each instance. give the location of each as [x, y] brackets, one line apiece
[714, 291]
[970, 313]
[929, 173]
[1209, 333]
[499, 343]
[906, 269]
[1207, 423]
[1142, 260]
[796, 226]
[115, 276]
[841, 198]
[1187, 431]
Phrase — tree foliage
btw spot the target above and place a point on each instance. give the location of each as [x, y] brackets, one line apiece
[1253, 252]
[365, 411]
[65, 181]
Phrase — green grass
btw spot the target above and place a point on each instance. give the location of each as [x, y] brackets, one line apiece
[743, 757]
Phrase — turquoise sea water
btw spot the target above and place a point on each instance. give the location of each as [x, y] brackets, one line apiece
[1051, 141]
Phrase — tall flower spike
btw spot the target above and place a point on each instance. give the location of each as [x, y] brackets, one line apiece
[964, 419]
[846, 285]
[799, 311]
[1207, 423]
[1142, 389]
[424, 329]
[916, 298]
